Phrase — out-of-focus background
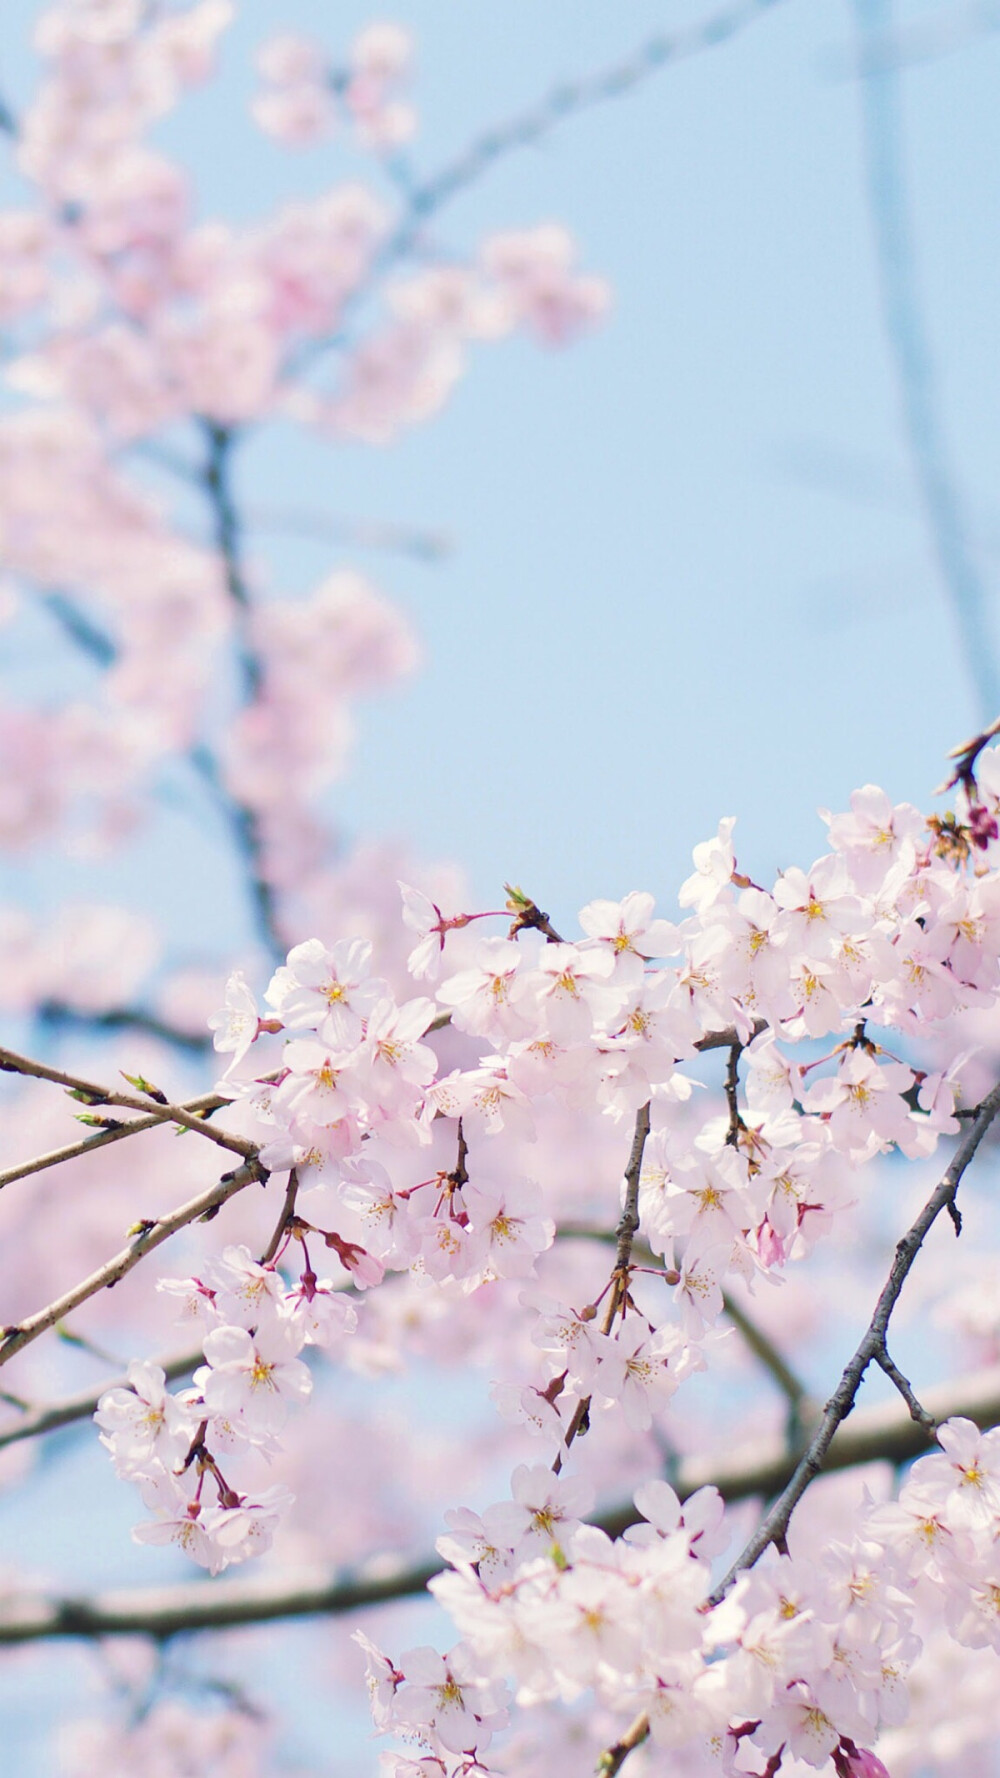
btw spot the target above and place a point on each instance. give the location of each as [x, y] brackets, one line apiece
[692, 567]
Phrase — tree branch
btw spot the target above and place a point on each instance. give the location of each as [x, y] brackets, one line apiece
[830, 1431]
[885, 1433]
[56, 1156]
[124, 1018]
[83, 1405]
[10, 1063]
[406, 540]
[871, 1349]
[216, 481]
[917, 1411]
[287, 1212]
[426, 197]
[150, 1234]
[624, 1236]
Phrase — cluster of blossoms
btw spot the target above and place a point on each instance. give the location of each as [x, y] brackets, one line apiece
[171, 1444]
[128, 320]
[304, 96]
[805, 1660]
[361, 1098]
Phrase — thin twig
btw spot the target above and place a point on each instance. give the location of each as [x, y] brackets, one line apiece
[629, 1225]
[732, 1086]
[424, 198]
[10, 1063]
[150, 1234]
[56, 1156]
[895, 1376]
[80, 627]
[872, 1346]
[883, 1433]
[287, 1212]
[217, 483]
[50, 1418]
[774, 1525]
[422, 546]
[618, 1296]
[613, 1758]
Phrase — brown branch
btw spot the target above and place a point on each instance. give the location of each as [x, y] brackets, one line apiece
[82, 1406]
[732, 1091]
[763, 1348]
[287, 1212]
[613, 1758]
[150, 1235]
[872, 1348]
[92, 1094]
[629, 1225]
[896, 1377]
[753, 1335]
[55, 1157]
[624, 1235]
[966, 754]
[885, 1433]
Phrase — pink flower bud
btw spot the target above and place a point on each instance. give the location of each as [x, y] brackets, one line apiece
[858, 1762]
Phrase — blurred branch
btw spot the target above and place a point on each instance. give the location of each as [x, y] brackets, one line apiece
[245, 829]
[424, 198]
[92, 640]
[881, 1434]
[216, 481]
[567, 100]
[124, 1018]
[923, 41]
[151, 1233]
[79, 627]
[8, 121]
[423, 546]
[82, 1406]
[763, 1348]
[935, 478]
